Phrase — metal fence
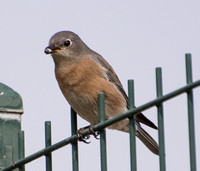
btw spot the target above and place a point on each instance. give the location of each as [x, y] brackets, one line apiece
[158, 102]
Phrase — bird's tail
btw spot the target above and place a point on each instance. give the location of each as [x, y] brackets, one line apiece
[149, 142]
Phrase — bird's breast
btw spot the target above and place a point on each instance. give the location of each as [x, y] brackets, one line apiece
[82, 82]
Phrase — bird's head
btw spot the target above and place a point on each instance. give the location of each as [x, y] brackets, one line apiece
[66, 46]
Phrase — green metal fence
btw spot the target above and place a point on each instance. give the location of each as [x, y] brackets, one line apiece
[158, 102]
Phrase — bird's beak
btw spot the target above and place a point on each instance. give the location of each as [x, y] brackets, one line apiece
[49, 49]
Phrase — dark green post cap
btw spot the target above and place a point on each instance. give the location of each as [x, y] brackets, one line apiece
[10, 101]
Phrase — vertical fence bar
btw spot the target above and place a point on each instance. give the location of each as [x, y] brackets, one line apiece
[47, 144]
[190, 113]
[75, 164]
[21, 148]
[103, 132]
[160, 120]
[131, 104]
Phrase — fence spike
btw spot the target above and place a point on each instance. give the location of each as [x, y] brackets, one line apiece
[190, 103]
[47, 144]
[103, 132]
[132, 140]
[161, 136]
[75, 163]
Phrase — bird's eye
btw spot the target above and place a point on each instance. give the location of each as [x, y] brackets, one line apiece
[67, 43]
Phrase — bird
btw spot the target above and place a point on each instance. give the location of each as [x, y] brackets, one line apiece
[82, 74]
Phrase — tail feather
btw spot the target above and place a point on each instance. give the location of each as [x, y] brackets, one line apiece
[150, 143]
[143, 119]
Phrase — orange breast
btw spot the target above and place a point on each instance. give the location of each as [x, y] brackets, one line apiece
[82, 82]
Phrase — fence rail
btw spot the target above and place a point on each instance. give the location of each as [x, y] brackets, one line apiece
[158, 102]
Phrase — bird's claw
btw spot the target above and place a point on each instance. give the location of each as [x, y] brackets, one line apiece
[85, 138]
[81, 137]
[94, 133]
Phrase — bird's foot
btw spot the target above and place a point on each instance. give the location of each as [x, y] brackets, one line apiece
[91, 132]
[94, 133]
[81, 137]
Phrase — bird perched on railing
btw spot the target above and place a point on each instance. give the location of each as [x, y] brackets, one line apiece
[82, 74]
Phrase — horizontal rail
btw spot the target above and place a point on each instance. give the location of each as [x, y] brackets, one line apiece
[146, 106]
[101, 126]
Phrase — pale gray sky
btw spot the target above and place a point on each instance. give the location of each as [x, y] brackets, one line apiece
[134, 37]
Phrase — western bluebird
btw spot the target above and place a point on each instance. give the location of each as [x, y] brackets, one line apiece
[82, 74]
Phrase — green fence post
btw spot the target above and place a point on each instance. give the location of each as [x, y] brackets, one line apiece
[11, 136]
[75, 164]
[190, 113]
[161, 136]
[47, 144]
[103, 132]
[132, 126]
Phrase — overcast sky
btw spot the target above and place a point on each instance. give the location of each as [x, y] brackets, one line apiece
[135, 37]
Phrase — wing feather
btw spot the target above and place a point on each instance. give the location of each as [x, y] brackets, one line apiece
[113, 78]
